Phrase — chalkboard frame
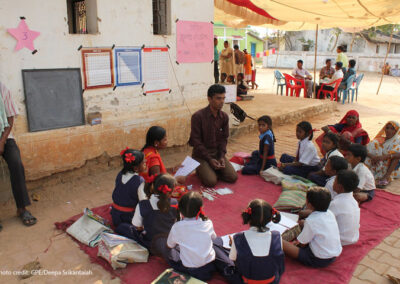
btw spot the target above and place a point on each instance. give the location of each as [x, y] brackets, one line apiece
[33, 128]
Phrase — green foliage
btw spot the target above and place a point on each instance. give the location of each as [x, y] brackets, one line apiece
[385, 29]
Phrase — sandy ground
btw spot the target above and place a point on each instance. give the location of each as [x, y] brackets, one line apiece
[19, 244]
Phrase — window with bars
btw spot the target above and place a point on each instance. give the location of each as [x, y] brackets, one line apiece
[161, 17]
[82, 16]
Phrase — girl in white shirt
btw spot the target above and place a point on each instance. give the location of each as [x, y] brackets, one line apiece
[330, 146]
[194, 235]
[258, 253]
[319, 241]
[306, 160]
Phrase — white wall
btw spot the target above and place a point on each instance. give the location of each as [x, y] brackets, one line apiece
[123, 23]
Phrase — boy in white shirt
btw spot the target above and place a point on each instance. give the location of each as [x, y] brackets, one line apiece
[345, 207]
[356, 156]
[319, 240]
[333, 166]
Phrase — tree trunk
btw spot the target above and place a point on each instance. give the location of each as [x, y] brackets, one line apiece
[352, 42]
[336, 40]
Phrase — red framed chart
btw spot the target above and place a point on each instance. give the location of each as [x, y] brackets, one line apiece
[98, 69]
[155, 69]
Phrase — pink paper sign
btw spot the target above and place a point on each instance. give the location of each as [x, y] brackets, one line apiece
[194, 42]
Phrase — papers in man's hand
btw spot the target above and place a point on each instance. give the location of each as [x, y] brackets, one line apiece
[287, 222]
[188, 166]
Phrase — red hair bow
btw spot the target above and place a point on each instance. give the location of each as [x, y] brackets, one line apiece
[150, 179]
[248, 211]
[129, 158]
[200, 212]
[164, 189]
[274, 211]
[123, 151]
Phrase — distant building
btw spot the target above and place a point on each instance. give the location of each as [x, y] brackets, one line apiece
[245, 38]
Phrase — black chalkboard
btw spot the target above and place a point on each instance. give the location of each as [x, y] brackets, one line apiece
[53, 98]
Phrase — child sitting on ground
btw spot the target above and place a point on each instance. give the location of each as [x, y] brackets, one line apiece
[306, 160]
[129, 187]
[194, 235]
[330, 147]
[223, 77]
[242, 86]
[265, 156]
[257, 252]
[319, 240]
[334, 165]
[230, 80]
[345, 207]
[356, 156]
[154, 217]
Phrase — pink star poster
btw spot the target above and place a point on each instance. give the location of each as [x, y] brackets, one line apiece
[24, 36]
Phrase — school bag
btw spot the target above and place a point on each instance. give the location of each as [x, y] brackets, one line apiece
[239, 113]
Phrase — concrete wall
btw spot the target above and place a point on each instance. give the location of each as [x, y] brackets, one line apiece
[288, 59]
[127, 114]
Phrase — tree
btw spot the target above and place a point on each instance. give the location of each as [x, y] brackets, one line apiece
[336, 33]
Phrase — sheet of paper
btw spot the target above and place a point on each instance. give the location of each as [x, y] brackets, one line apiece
[128, 66]
[98, 69]
[194, 41]
[155, 69]
[226, 240]
[188, 166]
[288, 221]
[230, 93]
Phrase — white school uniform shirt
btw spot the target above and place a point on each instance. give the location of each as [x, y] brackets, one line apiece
[347, 214]
[259, 243]
[321, 232]
[9, 105]
[308, 153]
[137, 219]
[329, 185]
[335, 152]
[195, 240]
[367, 181]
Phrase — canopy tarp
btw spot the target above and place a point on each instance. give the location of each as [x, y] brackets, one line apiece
[306, 14]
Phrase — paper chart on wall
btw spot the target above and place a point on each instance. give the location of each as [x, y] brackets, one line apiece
[97, 67]
[155, 69]
[128, 66]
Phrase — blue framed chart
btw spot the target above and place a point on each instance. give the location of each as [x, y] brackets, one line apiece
[128, 66]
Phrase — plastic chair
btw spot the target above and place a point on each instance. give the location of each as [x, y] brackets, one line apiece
[355, 88]
[280, 80]
[346, 92]
[296, 86]
[333, 93]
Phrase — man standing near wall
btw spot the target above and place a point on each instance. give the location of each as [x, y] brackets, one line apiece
[209, 137]
[216, 58]
[10, 152]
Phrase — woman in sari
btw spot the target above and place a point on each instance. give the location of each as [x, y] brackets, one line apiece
[248, 63]
[226, 60]
[349, 129]
[384, 154]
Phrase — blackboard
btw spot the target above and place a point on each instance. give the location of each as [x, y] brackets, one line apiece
[53, 98]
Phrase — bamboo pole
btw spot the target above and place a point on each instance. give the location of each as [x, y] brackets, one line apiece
[315, 59]
[384, 62]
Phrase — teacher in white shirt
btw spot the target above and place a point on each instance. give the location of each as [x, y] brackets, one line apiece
[336, 76]
[303, 74]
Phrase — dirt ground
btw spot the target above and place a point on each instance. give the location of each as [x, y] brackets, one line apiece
[19, 244]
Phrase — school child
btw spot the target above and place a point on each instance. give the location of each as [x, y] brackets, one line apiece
[223, 77]
[257, 252]
[129, 187]
[345, 207]
[242, 86]
[194, 235]
[334, 165]
[306, 160]
[231, 80]
[265, 156]
[319, 241]
[154, 217]
[330, 147]
[356, 156]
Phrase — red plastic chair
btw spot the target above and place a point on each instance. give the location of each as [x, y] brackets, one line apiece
[294, 85]
[333, 93]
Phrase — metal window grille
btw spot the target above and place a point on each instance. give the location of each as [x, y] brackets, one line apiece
[160, 25]
[79, 17]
